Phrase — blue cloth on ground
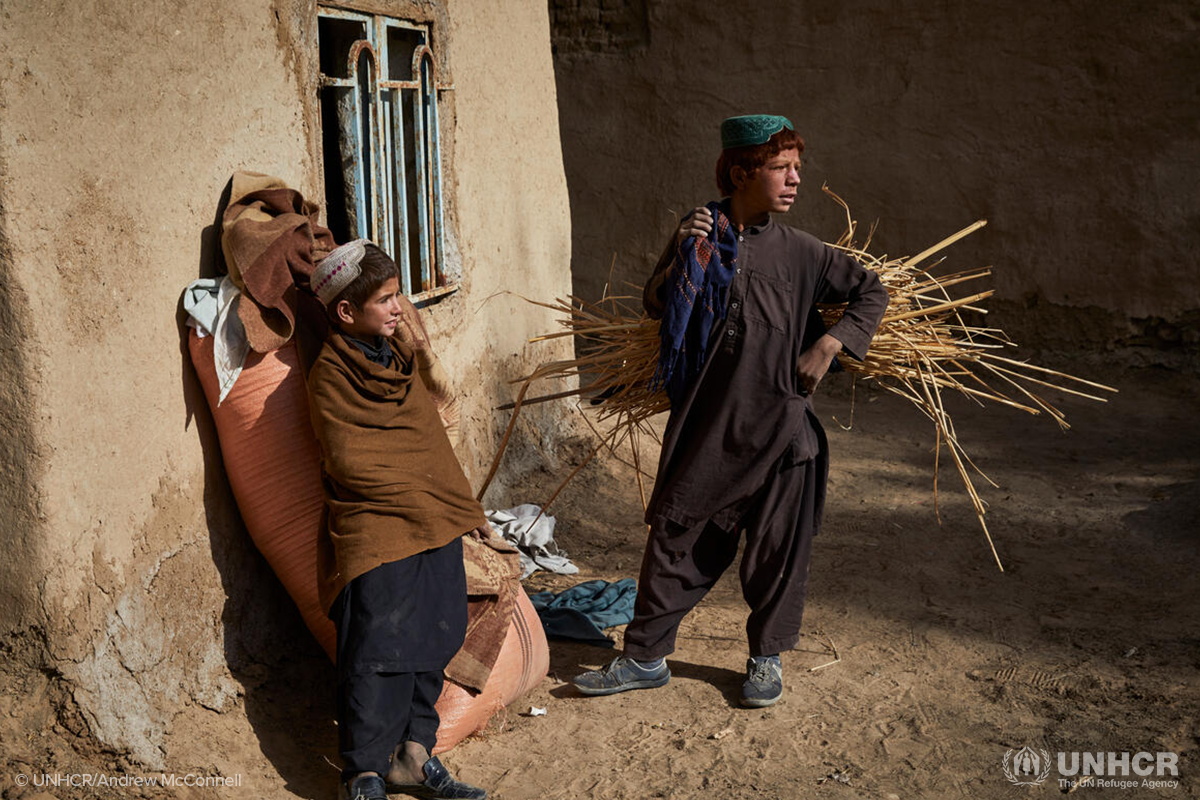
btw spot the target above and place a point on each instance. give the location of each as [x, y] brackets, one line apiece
[582, 612]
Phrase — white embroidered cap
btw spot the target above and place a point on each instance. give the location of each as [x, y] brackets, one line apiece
[338, 269]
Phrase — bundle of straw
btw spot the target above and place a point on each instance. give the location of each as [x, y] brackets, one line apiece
[922, 347]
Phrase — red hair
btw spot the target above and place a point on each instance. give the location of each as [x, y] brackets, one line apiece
[753, 156]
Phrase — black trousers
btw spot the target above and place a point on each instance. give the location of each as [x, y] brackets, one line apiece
[681, 564]
[398, 627]
[378, 710]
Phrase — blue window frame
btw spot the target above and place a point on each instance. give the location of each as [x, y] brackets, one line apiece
[379, 122]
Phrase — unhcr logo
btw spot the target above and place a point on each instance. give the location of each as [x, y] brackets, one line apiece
[1112, 770]
[1030, 767]
[1026, 767]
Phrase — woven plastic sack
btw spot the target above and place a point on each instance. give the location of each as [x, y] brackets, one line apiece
[274, 466]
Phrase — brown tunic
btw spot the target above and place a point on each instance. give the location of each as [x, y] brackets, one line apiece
[746, 409]
[393, 485]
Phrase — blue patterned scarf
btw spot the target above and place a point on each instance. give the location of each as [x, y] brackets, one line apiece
[697, 291]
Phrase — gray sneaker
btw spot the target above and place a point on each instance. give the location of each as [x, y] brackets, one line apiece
[764, 681]
[622, 675]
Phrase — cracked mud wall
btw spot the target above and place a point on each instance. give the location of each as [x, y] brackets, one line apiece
[512, 219]
[1071, 127]
[120, 125]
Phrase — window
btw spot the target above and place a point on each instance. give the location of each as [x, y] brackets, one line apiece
[379, 123]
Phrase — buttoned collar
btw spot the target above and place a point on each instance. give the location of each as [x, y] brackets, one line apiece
[749, 230]
[755, 230]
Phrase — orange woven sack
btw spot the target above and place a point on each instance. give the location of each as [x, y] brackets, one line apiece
[274, 466]
[524, 660]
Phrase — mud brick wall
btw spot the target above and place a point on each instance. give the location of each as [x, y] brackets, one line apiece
[1071, 127]
[598, 26]
[127, 580]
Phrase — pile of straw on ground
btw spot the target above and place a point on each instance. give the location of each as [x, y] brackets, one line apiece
[922, 347]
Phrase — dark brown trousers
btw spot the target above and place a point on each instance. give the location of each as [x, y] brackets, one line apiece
[681, 564]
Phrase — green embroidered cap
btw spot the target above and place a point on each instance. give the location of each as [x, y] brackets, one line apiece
[751, 129]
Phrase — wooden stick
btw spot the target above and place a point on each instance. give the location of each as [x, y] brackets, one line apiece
[503, 442]
[944, 243]
[542, 399]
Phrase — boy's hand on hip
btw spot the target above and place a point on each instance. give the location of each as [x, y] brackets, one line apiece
[699, 223]
[814, 362]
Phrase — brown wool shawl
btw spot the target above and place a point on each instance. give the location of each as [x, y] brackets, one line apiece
[271, 241]
[393, 485]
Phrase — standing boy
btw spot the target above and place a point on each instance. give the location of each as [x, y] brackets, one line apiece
[743, 350]
[391, 561]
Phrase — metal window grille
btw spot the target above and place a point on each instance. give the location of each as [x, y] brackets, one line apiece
[379, 120]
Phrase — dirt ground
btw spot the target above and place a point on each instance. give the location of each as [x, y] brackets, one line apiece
[1087, 642]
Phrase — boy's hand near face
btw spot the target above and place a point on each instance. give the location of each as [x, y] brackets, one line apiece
[814, 362]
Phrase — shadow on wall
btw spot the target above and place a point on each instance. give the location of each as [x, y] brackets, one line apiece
[952, 113]
[20, 529]
[288, 681]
